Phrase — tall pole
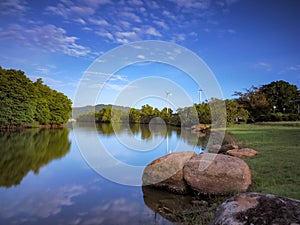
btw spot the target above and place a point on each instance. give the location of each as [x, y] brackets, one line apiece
[200, 95]
[167, 96]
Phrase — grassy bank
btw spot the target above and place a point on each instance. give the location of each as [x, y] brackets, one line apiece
[275, 170]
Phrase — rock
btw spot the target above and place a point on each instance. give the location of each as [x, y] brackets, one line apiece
[200, 127]
[213, 148]
[243, 152]
[255, 208]
[225, 148]
[167, 172]
[210, 173]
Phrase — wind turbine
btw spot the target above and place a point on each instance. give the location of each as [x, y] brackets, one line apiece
[167, 97]
[200, 95]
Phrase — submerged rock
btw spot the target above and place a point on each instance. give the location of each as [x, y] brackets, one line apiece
[210, 173]
[255, 208]
[243, 152]
[167, 172]
[180, 209]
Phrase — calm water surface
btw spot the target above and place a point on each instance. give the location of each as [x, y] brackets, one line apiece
[45, 180]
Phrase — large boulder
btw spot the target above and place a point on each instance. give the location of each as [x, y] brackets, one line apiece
[167, 172]
[255, 208]
[210, 173]
[243, 152]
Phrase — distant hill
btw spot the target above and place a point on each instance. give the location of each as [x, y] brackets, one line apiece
[77, 111]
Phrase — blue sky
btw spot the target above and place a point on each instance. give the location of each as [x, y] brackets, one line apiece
[243, 42]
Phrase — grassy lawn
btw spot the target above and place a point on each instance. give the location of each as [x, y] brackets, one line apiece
[276, 169]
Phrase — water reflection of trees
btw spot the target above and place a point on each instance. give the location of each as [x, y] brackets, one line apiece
[29, 150]
[190, 137]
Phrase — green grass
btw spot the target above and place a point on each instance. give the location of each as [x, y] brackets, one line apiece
[276, 169]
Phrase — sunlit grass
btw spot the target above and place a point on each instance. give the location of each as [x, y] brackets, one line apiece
[275, 169]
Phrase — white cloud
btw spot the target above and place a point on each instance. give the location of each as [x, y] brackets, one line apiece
[115, 77]
[294, 68]
[48, 37]
[13, 7]
[136, 2]
[49, 202]
[161, 24]
[140, 56]
[192, 4]
[81, 21]
[131, 16]
[115, 87]
[100, 22]
[105, 34]
[125, 24]
[83, 8]
[231, 31]
[264, 66]
[169, 15]
[152, 31]
[128, 34]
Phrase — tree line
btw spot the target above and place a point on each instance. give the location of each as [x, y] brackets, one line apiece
[25, 103]
[270, 102]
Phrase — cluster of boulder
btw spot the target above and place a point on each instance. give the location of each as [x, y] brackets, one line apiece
[233, 150]
[206, 173]
[221, 174]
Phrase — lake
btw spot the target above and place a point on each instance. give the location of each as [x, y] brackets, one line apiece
[58, 176]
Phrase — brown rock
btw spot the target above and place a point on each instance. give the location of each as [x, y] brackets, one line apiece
[225, 148]
[210, 173]
[256, 208]
[200, 127]
[167, 172]
[213, 148]
[243, 152]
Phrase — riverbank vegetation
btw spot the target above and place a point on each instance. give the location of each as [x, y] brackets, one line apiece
[270, 102]
[30, 104]
[275, 170]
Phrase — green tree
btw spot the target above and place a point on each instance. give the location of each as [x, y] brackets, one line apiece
[105, 115]
[166, 114]
[234, 111]
[17, 98]
[188, 116]
[203, 111]
[147, 113]
[60, 108]
[254, 101]
[42, 113]
[280, 94]
[134, 116]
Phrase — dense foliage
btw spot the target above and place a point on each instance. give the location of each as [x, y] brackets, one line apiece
[270, 102]
[27, 103]
[188, 116]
